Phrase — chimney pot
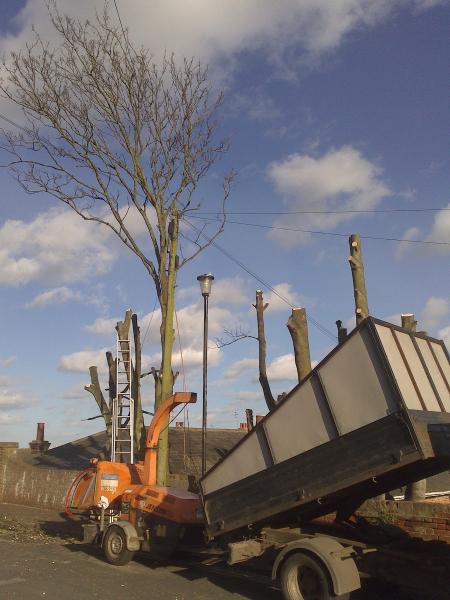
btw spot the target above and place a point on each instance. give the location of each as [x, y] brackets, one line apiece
[39, 445]
[40, 433]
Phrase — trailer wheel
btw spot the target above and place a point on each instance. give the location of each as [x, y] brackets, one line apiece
[115, 547]
[304, 578]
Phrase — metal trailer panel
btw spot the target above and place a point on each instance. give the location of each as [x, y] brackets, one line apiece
[367, 410]
[399, 368]
[317, 426]
[356, 385]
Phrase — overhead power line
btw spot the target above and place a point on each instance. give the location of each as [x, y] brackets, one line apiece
[332, 233]
[327, 212]
[312, 232]
[267, 285]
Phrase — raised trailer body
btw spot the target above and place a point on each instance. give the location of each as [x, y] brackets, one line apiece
[371, 417]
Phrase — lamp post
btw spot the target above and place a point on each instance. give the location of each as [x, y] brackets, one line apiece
[205, 282]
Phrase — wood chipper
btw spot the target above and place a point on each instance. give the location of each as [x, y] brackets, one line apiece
[128, 511]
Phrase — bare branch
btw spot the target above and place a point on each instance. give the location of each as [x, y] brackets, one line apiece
[233, 336]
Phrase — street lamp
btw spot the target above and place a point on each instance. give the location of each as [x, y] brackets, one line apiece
[205, 282]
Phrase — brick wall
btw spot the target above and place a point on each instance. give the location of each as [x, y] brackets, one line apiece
[425, 520]
[22, 482]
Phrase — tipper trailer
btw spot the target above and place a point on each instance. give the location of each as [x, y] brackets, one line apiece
[372, 416]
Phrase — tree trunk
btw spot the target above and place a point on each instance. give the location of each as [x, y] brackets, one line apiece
[167, 379]
[298, 328]
[112, 385]
[95, 389]
[139, 426]
[414, 491]
[260, 308]
[359, 284]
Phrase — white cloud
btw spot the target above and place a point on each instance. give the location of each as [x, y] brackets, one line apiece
[239, 367]
[257, 105]
[193, 358]
[340, 180]
[285, 290]
[444, 334]
[413, 233]
[282, 368]
[76, 392]
[216, 32]
[8, 361]
[13, 400]
[103, 326]
[426, 4]
[231, 290]
[395, 318]
[228, 290]
[79, 362]
[434, 311]
[54, 247]
[247, 396]
[439, 232]
[8, 419]
[58, 295]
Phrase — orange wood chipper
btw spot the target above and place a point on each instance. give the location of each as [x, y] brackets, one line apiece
[127, 510]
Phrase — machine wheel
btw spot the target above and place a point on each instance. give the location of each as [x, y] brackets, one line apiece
[115, 547]
[304, 578]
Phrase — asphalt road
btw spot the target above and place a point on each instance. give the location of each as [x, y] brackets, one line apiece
[77, 572]
[41, 557]
[74, 571]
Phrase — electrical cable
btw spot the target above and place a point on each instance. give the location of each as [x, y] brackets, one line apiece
[330, 233]
[327, 212]
[267, 285]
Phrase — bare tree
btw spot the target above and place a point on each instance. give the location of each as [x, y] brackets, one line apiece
[120, 139]
[106, 407]
[235, 335]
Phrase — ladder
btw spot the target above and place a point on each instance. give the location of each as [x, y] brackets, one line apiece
[122, 442]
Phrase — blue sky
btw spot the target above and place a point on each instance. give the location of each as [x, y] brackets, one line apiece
[330, 106]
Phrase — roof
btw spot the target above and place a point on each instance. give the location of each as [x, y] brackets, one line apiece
[184, 454]
[185, 450]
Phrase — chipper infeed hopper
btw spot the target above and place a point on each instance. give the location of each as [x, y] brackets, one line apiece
[371, 417]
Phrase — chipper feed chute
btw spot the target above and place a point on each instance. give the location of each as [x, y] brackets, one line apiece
[371, 417]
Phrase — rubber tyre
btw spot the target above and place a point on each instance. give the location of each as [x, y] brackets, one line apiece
[304, 578]
[115, 547]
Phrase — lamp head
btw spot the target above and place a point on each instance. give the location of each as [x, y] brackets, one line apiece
[205, 282]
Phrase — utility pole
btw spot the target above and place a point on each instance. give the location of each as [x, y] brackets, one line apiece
[359, 284]
[298, 328]
[414, 491]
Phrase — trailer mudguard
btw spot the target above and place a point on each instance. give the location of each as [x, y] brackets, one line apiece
[133, 541]
[341, 567]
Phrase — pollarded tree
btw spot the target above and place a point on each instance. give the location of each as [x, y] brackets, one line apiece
[119, 138]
